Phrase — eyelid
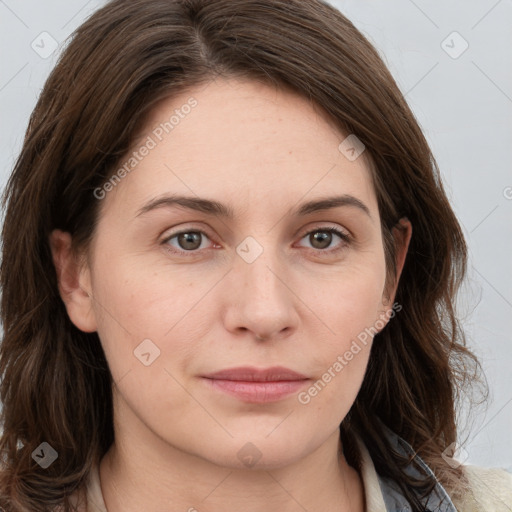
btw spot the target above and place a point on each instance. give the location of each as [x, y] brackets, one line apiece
[326, 226]
[190, 229]
[344, 234]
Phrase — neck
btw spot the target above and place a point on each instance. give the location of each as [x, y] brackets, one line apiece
[188, 483]
[141, 471]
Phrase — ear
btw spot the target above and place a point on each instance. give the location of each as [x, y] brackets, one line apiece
[402, 233]
[74, 282]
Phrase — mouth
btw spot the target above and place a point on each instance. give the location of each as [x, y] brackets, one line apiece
[255, 385]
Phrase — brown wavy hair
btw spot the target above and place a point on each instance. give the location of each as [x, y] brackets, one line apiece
[56, 386]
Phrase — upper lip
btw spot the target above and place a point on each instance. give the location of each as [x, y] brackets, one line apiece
[251, 374]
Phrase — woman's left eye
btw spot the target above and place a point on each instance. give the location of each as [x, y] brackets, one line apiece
[326, 237]
[321, 238]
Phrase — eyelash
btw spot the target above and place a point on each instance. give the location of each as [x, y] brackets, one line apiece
[328, 229]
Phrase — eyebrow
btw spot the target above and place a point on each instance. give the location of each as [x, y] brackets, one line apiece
[212, 207]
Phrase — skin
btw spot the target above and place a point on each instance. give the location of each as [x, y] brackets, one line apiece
[261, 151]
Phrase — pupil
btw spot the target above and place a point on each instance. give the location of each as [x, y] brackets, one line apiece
[322, 236]
[189, 240]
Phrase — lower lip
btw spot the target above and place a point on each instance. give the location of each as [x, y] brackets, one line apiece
[258, 392]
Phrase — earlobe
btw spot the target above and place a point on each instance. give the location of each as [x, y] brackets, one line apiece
[74, 282]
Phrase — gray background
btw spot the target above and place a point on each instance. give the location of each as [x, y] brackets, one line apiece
[462, 98]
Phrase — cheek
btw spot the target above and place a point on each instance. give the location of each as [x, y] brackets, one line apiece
[351, 307]
[352, 301]
[140, 312]
[357, 306]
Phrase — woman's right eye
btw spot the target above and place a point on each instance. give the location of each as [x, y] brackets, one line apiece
[188, 241]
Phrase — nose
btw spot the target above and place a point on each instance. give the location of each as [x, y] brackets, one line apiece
[260, 299]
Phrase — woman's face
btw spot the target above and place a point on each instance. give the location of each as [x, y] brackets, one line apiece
[248, 164]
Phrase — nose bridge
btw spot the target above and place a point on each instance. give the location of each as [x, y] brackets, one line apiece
[261, 301]
[258, 265]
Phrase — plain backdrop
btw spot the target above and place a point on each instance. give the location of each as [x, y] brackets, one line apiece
[452, 60]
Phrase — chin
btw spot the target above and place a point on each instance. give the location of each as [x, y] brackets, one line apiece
[256, 451]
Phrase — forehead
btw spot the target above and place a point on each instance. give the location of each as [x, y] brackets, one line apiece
[243, 140]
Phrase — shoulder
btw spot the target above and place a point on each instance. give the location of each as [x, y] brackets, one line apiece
[489, 489]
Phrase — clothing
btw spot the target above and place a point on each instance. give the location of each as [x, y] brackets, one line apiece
[491, 488]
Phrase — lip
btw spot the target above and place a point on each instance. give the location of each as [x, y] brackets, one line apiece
[255, 385]
[251, 374]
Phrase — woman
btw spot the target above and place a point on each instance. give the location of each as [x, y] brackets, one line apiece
[229, 273]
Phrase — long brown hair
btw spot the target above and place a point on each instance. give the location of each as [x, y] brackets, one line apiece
[56, 385]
